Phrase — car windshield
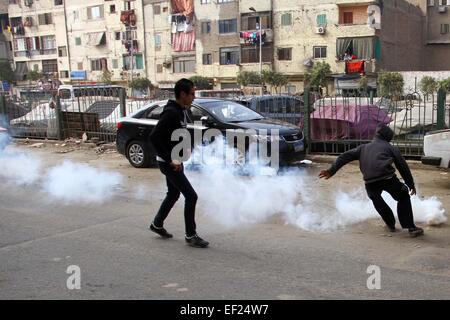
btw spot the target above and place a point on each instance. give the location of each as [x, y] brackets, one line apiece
[229, 111]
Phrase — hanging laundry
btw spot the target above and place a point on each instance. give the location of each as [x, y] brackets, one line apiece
[185, 7]
[354, 67]
[183, 41]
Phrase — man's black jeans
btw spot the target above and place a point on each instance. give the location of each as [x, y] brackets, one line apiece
[400, 193]
[177, 183]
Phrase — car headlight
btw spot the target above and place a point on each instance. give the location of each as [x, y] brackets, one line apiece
[267, 138]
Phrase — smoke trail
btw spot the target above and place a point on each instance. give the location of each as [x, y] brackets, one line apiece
[80, 183]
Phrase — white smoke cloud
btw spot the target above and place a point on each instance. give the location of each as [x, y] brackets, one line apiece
[295, 196]
[74, 183]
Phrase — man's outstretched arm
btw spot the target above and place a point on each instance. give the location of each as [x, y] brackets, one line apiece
[341, 161]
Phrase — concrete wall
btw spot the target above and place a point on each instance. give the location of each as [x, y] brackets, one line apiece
[412, 78]
[401, 36]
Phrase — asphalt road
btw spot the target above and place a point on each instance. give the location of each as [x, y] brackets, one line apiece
[119, 258]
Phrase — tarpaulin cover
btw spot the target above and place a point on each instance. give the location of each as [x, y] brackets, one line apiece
[346, 122]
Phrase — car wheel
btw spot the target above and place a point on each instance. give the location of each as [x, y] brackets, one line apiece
[138, 155]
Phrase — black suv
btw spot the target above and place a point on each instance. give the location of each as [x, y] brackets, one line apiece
[133, 131]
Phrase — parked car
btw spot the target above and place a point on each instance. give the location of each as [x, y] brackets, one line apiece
[281, 107]
[133, 131]
[436, 147]
[4, 138]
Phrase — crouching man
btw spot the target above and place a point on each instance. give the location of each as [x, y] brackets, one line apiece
[375, 162]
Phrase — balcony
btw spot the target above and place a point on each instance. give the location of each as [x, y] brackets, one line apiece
[128, 18]
[370, 66]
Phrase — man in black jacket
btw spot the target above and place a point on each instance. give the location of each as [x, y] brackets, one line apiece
[375, 162]
[174, 117]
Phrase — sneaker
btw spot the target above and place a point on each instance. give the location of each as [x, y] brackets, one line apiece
[196, 241]
[415, 232]
[161, 231]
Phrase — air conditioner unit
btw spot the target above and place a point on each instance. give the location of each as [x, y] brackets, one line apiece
[442, 9]
[28, 3]
[320, 30]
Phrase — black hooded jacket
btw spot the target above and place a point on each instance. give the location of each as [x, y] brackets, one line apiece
[376, 159]
[172, 118]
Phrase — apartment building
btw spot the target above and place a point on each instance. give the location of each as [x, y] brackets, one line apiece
[105, 35]
[5, 35]
[437, 34]
[164, 40]
[39, 37]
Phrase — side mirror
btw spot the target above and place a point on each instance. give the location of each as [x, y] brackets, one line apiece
[207, 120]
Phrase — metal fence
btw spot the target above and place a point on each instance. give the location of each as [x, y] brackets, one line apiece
[339, 123]
[332, 124]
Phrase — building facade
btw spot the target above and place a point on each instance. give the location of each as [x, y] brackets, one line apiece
[164, 40]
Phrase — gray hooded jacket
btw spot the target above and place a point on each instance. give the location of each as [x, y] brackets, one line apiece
[376, 159]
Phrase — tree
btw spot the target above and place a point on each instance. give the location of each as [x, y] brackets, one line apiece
[428, 85]
[202, 83]
[277, 80]
[390, 84]
[445, 84]
[246, 78]
[317, 78]
[106, 77]
[363, 84]
[141, 84]
[34, 75]
[6, 72]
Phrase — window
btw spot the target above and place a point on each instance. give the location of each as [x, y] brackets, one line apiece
[444, 28]
[48, 43]
[45, 18]
[80, 65]
[99, 64]
[348, 18]
[62, 52]
[205, 1]
[229, 55]
[64, 74]
[184, 65]
[165, 9]
[154, 113]
[159, 68]
[207, 58]
[285, 54]
[138, 62]
[158, 37]
[156, 9]
[251, 22]
[112, 8]
[35, 67]
[227, 26]
[206, 27]
[321, 20]
[76, 15]
[58, 3]
[430, 3]
[115, 64]
[50, 66]
[95, 12]
[286, 19]
[77, 41]
[320, 52]
[117, 35]
[361, 47]
[250, 54]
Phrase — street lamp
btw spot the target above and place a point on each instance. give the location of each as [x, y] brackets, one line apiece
[260, 39]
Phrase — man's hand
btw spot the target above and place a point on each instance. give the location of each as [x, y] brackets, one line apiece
[325, 174]
[412, 192]
[177, 166]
